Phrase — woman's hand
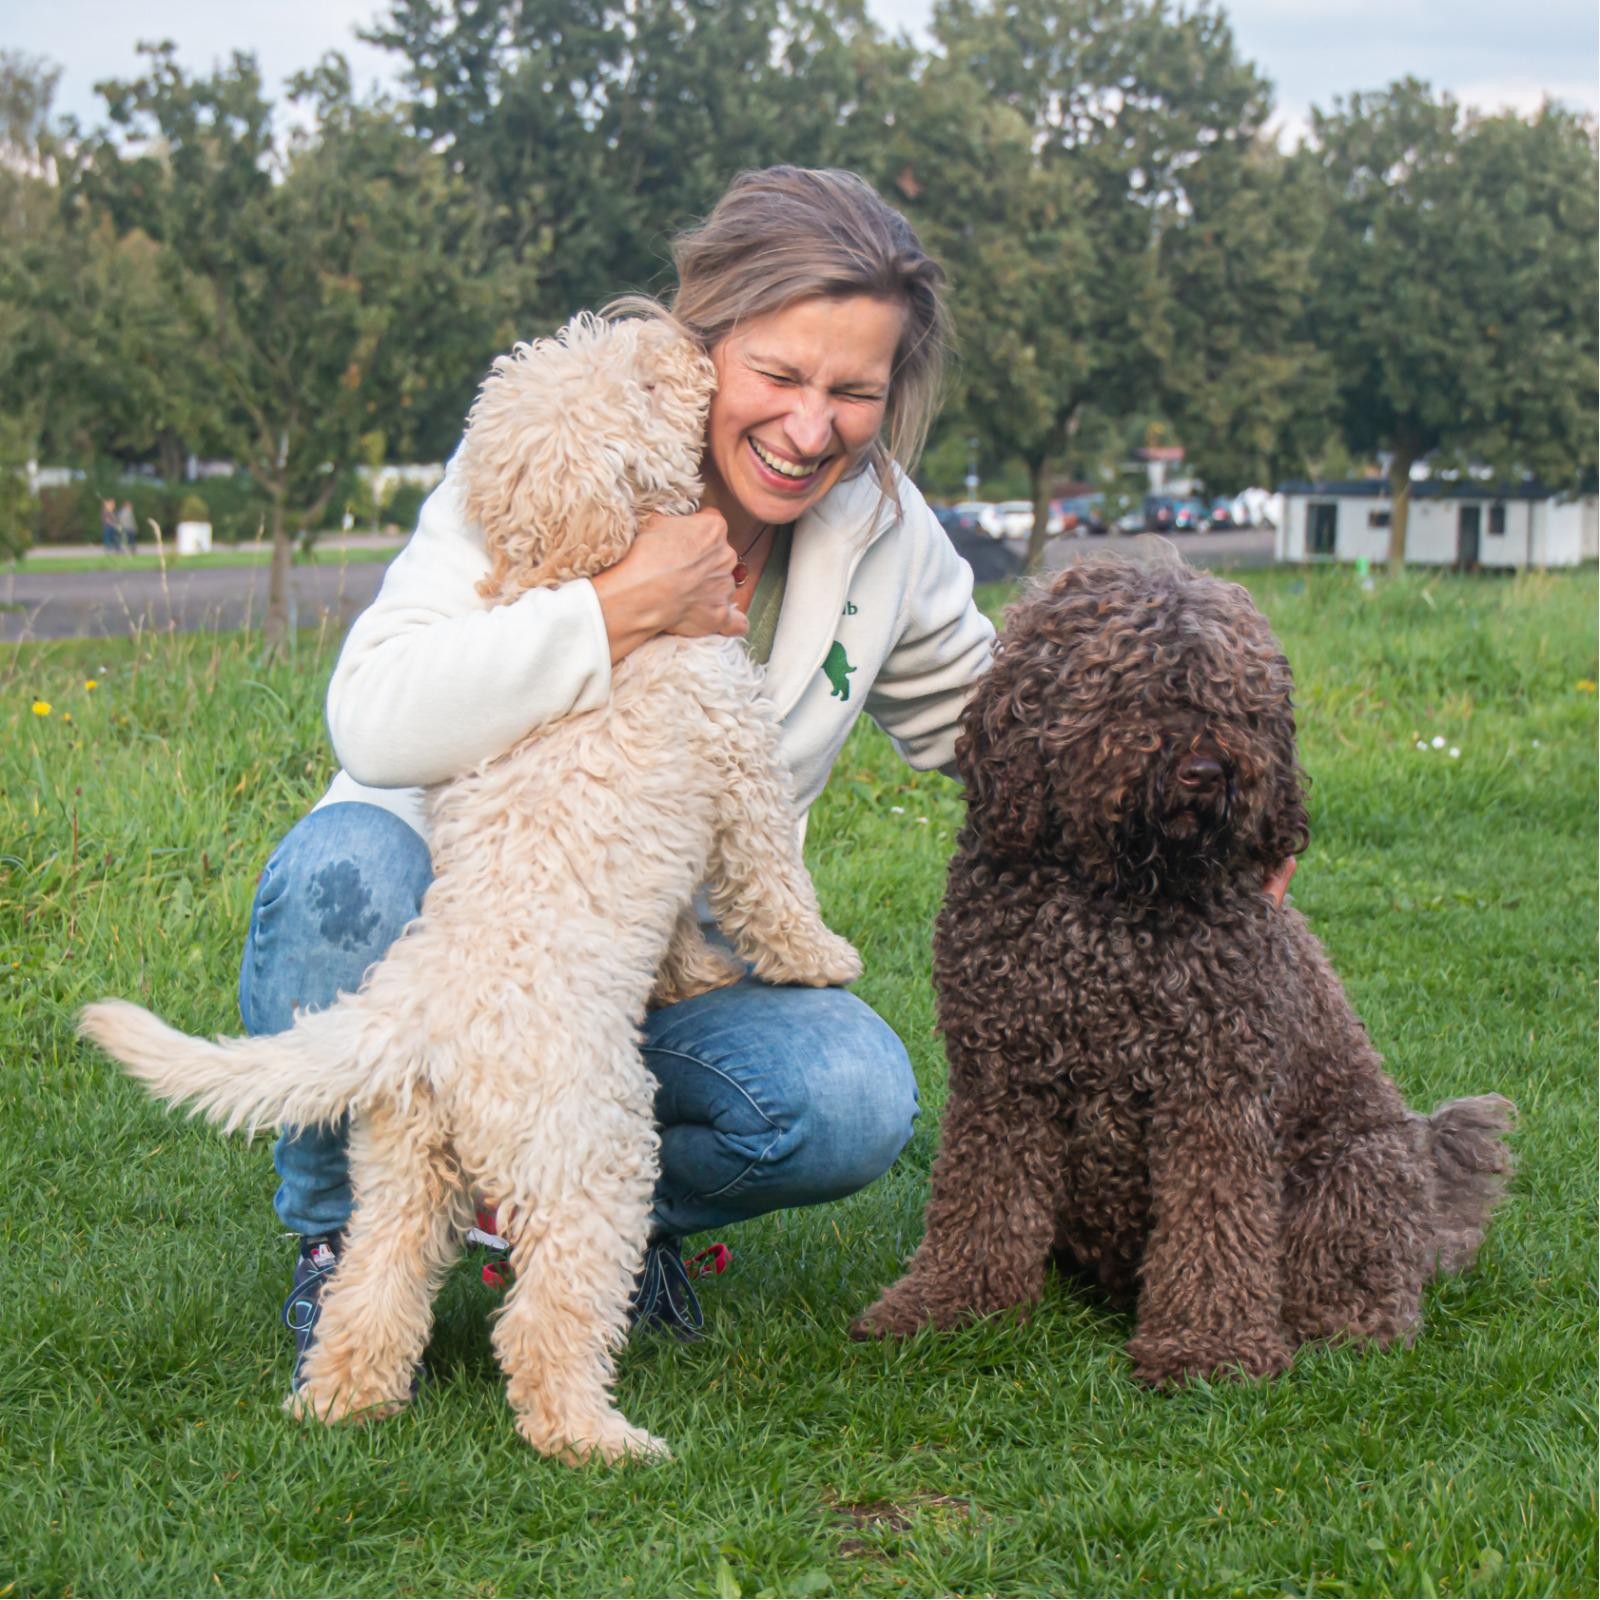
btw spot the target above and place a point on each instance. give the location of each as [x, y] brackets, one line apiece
[1278, 884]
[677, 577]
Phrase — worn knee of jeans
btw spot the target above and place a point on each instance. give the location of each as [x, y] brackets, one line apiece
[771, 1098]
[335, 895]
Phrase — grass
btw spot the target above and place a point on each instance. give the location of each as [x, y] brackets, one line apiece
[244, 555]
[142, 1360]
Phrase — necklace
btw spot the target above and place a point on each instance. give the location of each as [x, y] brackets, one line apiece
[741, 573]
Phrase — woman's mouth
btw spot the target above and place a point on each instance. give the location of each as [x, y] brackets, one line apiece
[782, 474]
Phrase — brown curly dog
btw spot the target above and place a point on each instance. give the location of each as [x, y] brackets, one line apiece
[1155, 1075]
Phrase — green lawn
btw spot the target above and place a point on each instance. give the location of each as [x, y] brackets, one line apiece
[146, 559]
[143, 1363]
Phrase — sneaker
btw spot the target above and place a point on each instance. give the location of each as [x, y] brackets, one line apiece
[303, 1309]
[664, 1300]
[318, 1257]
[496, 1269]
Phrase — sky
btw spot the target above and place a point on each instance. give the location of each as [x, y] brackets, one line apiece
[1488, 53]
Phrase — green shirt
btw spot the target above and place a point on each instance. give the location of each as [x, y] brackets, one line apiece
[767, 601]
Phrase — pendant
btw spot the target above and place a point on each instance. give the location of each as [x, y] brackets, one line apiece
[740, 573]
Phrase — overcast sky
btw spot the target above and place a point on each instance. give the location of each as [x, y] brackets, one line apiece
[1488, 53]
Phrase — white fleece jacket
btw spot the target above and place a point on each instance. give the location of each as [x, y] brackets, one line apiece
[877, 616]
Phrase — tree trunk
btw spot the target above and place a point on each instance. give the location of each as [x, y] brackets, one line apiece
[1400, 464]
[1038, 478]
[277, 624]
[172, 455]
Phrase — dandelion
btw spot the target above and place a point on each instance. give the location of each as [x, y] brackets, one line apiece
[1537, 745]
[1422, 744]
[897, 811]
[1438, 741]
[1455, 753]
[91, 683]
[922, 821]
[41, 708]
[66, 716]
[1585, 686]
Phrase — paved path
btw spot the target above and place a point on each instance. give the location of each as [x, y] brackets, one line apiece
[1238, 547]
[36, 603]
[1234, 547]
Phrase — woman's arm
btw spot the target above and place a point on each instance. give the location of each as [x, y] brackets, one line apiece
[431, 681]
[945, 645]
[676, 578]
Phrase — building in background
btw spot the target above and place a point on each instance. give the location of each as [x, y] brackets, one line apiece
[1461, 524]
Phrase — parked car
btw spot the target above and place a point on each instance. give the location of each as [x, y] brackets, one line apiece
[985, 515]
[1016, 520]
[1191, 515]
[1080, 513]
[958, 523]
[1160, 513]
[1220, 515]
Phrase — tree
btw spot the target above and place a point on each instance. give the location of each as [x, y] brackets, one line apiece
[1005, 226]
[319, 292]
[1120, 104]
[592, 130]
[1454, 286]
[1248, 392]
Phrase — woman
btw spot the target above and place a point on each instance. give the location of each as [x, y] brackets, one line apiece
[823, 316]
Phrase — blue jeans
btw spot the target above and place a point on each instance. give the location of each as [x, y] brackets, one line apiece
[768, 1097]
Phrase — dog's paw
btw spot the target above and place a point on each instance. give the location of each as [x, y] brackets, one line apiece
[610, 1438]
[330, 1403]
[897, 1314]
[1170, 1361]
[711, 969]
[822, 960]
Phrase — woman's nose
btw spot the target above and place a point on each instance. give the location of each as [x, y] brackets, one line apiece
[809, 425]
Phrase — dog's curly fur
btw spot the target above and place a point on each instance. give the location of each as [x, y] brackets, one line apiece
[496, 1046]
[1155, 1075]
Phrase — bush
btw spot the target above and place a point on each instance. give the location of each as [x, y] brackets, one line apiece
[193, 509]
[404, 506]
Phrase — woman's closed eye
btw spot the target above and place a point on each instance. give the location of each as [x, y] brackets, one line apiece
[789, 381]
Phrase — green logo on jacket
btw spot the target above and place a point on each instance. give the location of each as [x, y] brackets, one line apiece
[838, 669]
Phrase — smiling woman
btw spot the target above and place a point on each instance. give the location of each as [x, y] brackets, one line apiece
[800, 399]
[822, 315]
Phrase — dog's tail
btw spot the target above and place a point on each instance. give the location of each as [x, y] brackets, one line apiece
[311, 1073]
[1464, 1141]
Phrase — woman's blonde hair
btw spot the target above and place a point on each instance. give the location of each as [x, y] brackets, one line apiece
[783, 234]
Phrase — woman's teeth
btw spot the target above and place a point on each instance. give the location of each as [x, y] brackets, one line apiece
[784, 469]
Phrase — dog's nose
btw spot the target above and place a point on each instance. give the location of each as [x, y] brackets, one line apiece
[1200, 772]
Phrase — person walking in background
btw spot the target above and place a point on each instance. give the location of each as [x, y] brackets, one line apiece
[110, 528]
[127, 526]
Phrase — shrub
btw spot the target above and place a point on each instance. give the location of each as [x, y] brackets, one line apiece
[404, 506]
[192, 508]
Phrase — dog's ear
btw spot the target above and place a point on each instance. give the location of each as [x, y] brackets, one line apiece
[1288, 824]
[998, 756]
[539, 474]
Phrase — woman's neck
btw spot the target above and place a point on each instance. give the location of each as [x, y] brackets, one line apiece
[742, 527]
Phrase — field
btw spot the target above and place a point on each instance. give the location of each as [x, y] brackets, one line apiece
[142, 783]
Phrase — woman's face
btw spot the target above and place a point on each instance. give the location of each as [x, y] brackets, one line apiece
[800, 398]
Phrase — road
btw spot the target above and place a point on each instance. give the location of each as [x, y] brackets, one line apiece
[36, 603]
[1237, 547]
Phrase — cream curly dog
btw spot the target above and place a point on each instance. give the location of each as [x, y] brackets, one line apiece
[496, 1046]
